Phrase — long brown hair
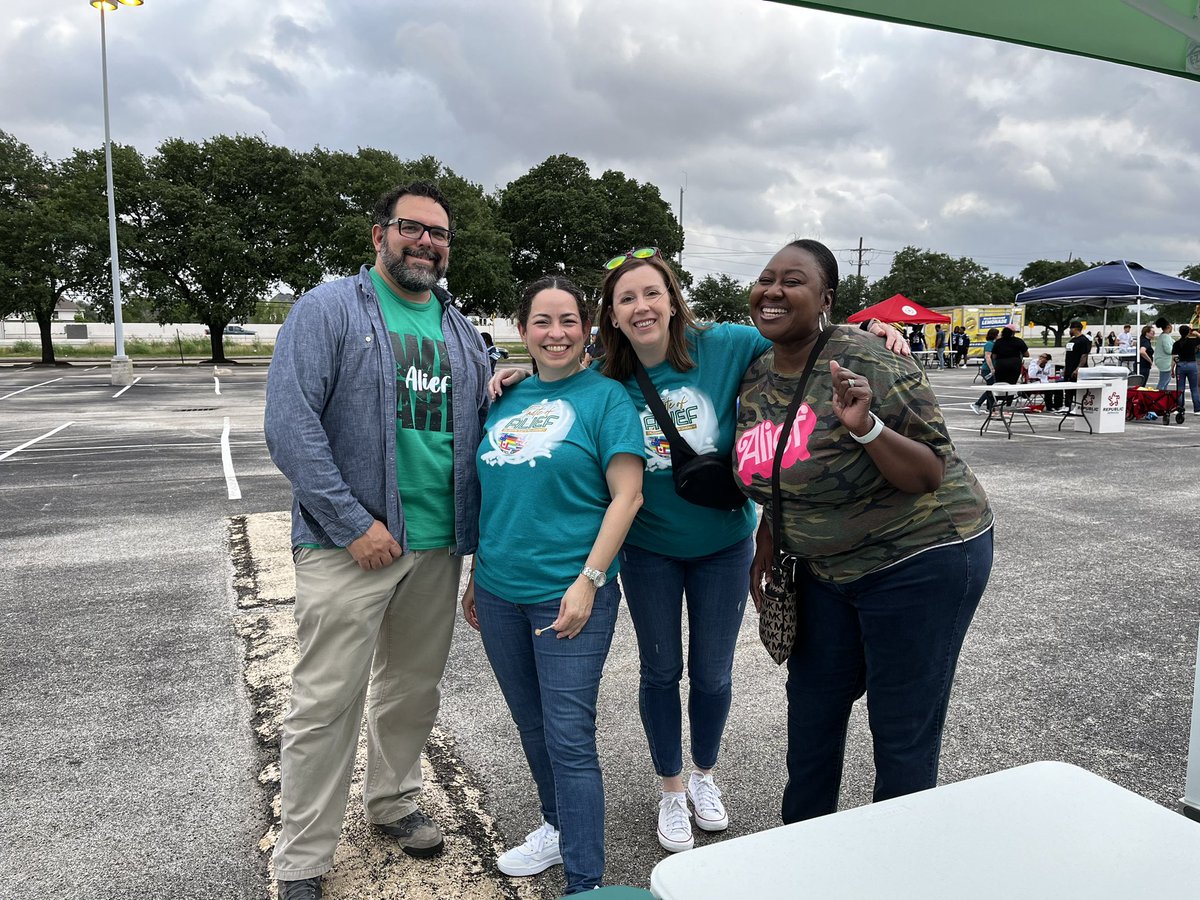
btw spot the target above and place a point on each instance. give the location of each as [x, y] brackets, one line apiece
[620, 358]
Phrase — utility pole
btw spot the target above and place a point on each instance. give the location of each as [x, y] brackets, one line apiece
[682, 187]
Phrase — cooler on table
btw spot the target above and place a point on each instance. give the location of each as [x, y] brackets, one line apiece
[1104, 405]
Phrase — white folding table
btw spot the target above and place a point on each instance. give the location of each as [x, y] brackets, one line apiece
[1045, 830]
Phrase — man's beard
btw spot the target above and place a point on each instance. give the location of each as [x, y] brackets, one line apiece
[409, 278]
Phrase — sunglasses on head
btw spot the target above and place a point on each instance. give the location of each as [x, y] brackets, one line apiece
[640, 253]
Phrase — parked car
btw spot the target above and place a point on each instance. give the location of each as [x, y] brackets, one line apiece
[234, 329]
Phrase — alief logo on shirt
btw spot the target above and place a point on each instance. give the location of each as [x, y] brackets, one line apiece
[423, 394]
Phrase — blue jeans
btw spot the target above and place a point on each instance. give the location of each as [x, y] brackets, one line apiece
[894, 634]
[1187, 371]
[550, 686]
[717, 587]
[1164, 379]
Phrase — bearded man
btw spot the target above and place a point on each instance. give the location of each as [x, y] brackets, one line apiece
[376, 398]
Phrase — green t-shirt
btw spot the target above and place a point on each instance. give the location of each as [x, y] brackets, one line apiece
[1162, 350]
[703, 402]
[424, 424]
[542, 463]
[839, 512]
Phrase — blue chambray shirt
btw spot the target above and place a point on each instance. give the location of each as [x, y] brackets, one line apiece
[331, 415]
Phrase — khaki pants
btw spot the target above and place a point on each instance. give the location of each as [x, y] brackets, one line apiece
[394, 626]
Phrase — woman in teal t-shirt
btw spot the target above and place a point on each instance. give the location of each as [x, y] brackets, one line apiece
[561, 455]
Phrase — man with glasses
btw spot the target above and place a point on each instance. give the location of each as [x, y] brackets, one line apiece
[376, 398]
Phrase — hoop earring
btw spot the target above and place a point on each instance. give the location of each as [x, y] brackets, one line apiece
[823, 320]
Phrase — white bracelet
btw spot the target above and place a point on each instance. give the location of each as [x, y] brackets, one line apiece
[876, 431]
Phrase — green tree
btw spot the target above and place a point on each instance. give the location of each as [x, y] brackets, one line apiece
[561, 220]
[1183, 313]
[1051, 316]
[937, 279]
[332, 231]
[853, 295]
[720, 298]
[211, 217]
[54, 219]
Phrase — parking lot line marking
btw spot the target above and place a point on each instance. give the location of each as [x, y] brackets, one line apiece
[93, 367]
[217, 383]
[30, 388]
[235, 492]
[35, 440]
[127, 387]
[152, 368]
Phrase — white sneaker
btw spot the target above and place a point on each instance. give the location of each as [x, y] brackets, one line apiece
[537, 854]
[674, 822]
[706, 800]
[977, 409]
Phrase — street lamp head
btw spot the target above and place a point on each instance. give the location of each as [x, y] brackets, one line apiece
[106, 5]
[133, 2]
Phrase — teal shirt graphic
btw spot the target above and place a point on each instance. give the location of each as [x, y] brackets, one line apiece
[424, 426]
[703, 404]
[542, 462]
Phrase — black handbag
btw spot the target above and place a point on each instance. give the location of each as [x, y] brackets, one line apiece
[779, 617]
[705, 479]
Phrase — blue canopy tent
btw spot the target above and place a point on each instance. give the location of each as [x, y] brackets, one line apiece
[1118, 283]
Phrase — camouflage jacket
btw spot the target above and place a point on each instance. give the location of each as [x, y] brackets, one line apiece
[839, 512]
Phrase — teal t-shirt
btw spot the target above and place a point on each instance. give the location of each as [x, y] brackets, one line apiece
[703, 401]
[545, 449]
[424, 424]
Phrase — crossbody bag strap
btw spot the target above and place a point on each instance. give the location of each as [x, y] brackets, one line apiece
[674, 438]
[781, 444]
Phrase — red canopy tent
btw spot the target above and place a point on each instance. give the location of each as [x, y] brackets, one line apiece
[898, 308]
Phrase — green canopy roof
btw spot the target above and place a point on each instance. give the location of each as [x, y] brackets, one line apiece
[1163, 35]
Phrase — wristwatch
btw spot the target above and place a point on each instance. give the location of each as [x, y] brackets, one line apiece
[595, 576]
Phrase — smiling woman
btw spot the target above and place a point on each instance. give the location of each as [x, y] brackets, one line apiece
[870, 517]
[543, 596]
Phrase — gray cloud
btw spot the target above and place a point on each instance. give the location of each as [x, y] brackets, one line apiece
[786, 121]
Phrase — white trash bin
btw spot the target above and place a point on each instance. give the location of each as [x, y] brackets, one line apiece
[1103, 406]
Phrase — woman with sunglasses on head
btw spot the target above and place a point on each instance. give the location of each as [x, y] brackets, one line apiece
[890, 532]
[543, 596]
[675, 548]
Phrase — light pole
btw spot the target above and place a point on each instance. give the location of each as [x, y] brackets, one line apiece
[122, 366]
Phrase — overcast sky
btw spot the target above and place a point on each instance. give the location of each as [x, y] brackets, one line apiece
[787, 122]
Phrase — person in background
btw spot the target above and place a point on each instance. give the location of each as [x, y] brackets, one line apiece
[1184, 352]
[495, 354]
[988, 371]
[594, 349]
[891, 534]
[1008, 355]
[543, 595]
[1164, 353]
[385, 504]
[916, 340]
[1098, 342]
[1125, 339]
[1078, 349]
[1145, 355]
[939, 345]
[1111, 340]
[1042, 370]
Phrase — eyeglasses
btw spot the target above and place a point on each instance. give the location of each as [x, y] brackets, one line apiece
[413, 230]
[640, 253]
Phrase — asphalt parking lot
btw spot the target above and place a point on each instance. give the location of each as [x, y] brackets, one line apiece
[133, 757]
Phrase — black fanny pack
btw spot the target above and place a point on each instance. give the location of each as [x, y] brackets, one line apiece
[705, 479]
